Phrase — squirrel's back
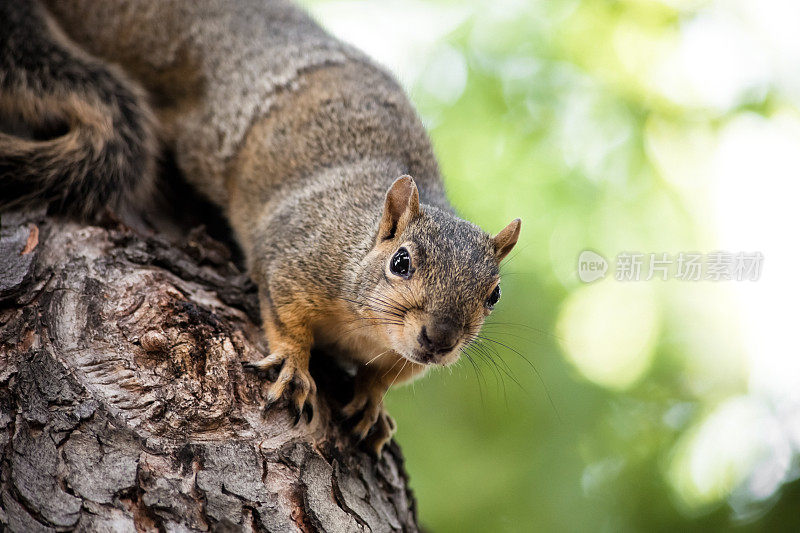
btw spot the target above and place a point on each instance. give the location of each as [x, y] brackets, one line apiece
[216, 68]
[253, 98]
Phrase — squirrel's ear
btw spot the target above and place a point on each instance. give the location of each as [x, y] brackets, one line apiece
[402, 204]
[506, 239]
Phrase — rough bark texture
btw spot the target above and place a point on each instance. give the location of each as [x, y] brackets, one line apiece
[124, 405]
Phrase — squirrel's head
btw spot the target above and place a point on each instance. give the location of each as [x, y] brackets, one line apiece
[431, 278]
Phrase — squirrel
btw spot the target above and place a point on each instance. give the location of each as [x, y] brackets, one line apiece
[307, 146]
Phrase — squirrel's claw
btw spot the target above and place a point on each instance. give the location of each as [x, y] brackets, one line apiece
[303, 399]
[308, 409]
[382, 433]
[356, 405]
[292, 373]
[368, 420]
[375, 422]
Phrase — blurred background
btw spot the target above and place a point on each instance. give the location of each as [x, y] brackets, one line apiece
[650, 126]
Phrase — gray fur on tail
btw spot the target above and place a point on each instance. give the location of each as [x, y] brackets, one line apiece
[74, 133]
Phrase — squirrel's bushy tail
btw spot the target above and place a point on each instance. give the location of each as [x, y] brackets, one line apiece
[74, 133]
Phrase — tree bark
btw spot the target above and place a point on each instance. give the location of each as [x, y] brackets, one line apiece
[124, 405]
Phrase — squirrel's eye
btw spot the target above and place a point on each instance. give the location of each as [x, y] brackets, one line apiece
[493, 298]
[400, 265]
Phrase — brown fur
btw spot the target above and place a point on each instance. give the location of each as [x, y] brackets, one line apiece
[307, 145]
[74, 131]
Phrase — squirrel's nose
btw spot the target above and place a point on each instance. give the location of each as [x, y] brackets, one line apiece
[439, 337]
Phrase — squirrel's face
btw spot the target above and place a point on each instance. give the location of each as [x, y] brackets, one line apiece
[432, 277]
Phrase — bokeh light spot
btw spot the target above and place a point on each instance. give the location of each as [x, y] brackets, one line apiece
[607, 331]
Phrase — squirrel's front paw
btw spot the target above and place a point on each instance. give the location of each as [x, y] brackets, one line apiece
[294, 372]
[373, 417]
[384, 429]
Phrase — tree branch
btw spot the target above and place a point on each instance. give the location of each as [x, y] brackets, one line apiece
[124, 405]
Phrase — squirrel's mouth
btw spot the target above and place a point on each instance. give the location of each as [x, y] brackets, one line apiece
[424, 357]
